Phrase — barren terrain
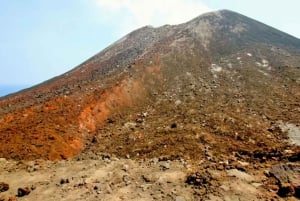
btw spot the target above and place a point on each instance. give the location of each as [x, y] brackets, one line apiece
[205, 110]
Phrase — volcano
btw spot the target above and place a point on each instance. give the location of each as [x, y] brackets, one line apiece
[221, 81]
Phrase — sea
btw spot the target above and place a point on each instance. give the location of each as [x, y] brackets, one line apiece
[9, 89]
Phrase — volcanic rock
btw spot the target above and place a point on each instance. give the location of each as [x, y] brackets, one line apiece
[288, 177]
[23, 191]
[3, 187]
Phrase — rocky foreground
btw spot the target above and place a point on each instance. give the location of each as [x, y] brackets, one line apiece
[105, 177]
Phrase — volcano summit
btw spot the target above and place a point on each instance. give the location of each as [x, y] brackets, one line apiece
[217, 89]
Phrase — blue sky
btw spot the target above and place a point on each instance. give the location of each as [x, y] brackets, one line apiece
[45, 38]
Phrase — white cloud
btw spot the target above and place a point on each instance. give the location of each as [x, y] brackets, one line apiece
[132, 14]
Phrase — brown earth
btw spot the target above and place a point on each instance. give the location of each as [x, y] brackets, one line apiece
[215, 91]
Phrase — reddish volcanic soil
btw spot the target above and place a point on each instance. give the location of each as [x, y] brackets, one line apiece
[58, 127]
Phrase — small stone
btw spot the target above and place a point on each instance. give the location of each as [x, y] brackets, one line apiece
[285, 190]
[274, 188]
[125, 168]
[108, 188]
[244, 164]
[114, 159]
[256, 185]
[220, 167]
[144, 188]
[33, 187]
[64, 181]
[177, 102]
[23, 191]
[146, 178]
[139, 120]
[198, 179]
[174, 125]
[240, 175]
[3, 187]
[97, 187]
[267, 173]
[165, 166]
[31, 169]
[288, 178]
[155, 160]
[239, 166]
[126, 180]
[110, 121]
[94, 139]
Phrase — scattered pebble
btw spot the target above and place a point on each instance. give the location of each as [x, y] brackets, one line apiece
[23, 191]
[3, 187]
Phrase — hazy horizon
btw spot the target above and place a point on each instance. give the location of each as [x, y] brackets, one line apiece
[9, 89]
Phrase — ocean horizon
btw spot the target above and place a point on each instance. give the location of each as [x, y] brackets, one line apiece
[9, 89]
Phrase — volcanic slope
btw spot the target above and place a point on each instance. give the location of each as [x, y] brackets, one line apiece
[217, 86]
